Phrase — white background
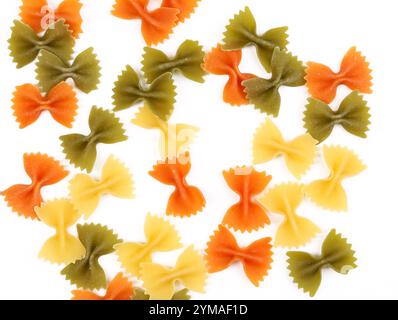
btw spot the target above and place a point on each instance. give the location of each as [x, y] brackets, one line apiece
[320, 31]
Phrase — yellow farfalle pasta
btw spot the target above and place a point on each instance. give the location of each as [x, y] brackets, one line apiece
[161, 236]
[295, 231]
[329, 193]
[63, 248]
[190, 271]
[175, 138]
[269, 143]
[86, 192]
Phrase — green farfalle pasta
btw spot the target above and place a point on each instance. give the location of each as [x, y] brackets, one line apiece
[242, 32]
[105, 128]
[25, 44]
[139, 294]
[187, 60]
[287, 71]
[306, 270]
[159, 96]
[84, 70]
[87, 273]
[353, 115]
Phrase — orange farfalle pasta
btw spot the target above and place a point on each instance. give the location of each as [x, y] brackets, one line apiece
[186, 200]
[38, 15]
[354, 73]
[156, 25]
[120, 288]
[223, 250]
[222, 62]
[247, 214]
[43, 171]
[29, 103]
[186, 7]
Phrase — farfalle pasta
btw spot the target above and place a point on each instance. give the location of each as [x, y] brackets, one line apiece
[81, 150]
[25, 44]
[190, 270]
[29, 103]
[295, 231]
[247, 214]
[185, 7]
[156, 25]
[48, 32]
[43, 171]
[120, 288]
[221, 62]
[223, 250]
[175, 139]
[185, 200]
[306, 269]
[353, 115]
[268, 143]
[161, 236]
[84, 70]
[62, 248]
[354, 73]
[187, 61]
[87, 273]
[242, 32]
[329, 193]
[39, 16]
[86, 192]
[159, 96]
[183, 294]
[286, 70]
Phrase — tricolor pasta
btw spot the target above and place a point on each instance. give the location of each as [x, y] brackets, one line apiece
[48, 34]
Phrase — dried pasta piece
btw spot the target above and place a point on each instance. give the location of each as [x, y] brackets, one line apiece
[86, 192]
[295, 231]
[306, 269]
[329, 193]
[353, 115]
[223, 250]
[354, 73]
[185, 7]
[161, 236]
[43, 171]
[183, 294]
[120, 288]
[25, 44]
[247, 214]
[268, 143]
[62, 248]
[175, 138]
[159, 96]
[84, 70]
[287, 71]
[105, 128]
[29, 103]
[87, 273]
[39, 16]
[190, 270]
[180, 295]
[242, 32]
[187, 60]
[221, 62]
[156, 25]
[186, 200]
